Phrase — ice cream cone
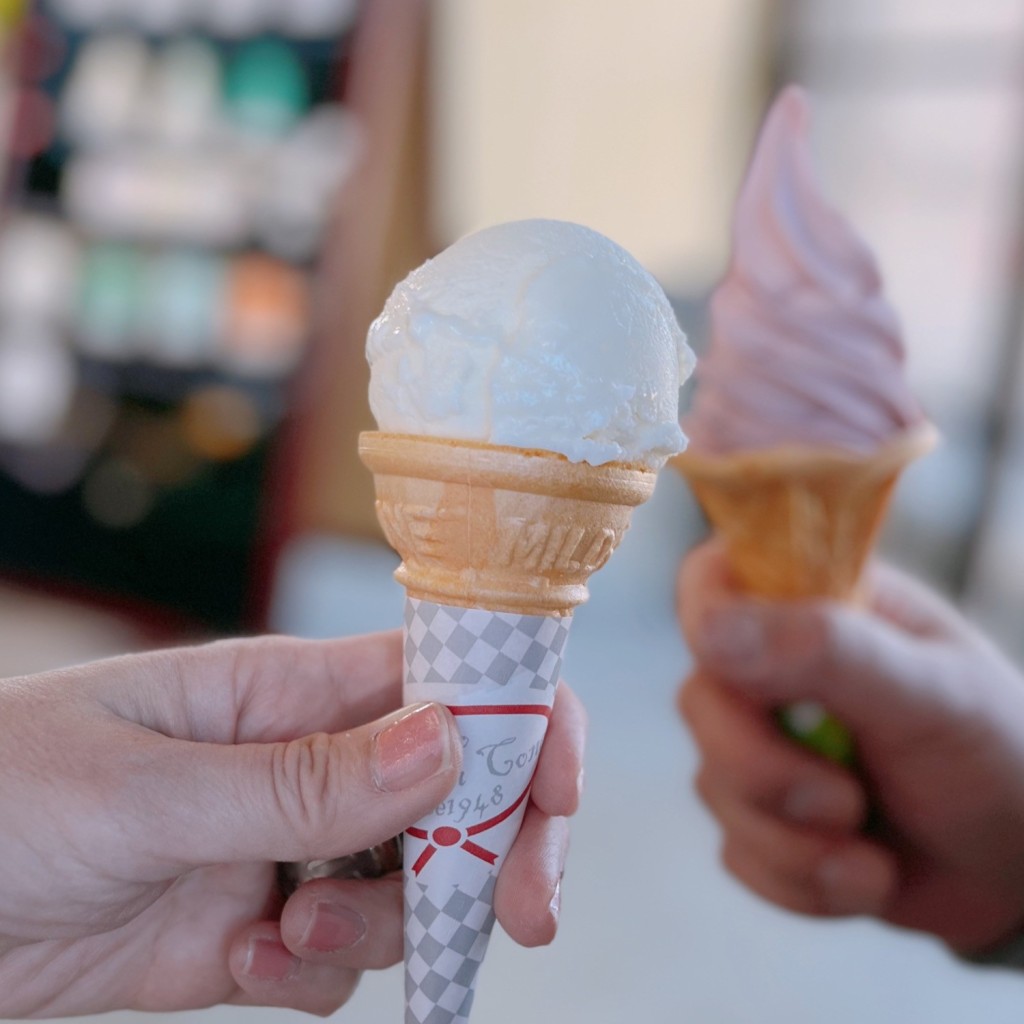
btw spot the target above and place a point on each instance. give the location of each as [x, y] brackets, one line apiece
[801, 522]
[497, 545]
[506, 529]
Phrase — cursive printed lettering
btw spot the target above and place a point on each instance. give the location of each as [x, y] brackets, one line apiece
[501, 763]
[462, 773]
[479, 807]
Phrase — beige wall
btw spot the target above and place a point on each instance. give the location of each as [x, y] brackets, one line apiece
[631, 118]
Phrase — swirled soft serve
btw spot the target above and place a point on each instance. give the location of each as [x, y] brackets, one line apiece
[805, 348]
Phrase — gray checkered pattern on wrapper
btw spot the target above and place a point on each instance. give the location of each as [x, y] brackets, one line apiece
[446, 945]
[448, 927]
[467, 646]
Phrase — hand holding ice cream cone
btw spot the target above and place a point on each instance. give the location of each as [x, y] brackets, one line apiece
[803, 418]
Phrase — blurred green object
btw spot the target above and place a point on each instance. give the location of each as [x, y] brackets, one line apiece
[110, 300]
[183, 293]
[813, 727]
[266, 87]
[12, 12]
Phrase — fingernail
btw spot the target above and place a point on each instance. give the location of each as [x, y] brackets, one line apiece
[581, 783]
[848, 887]
[555, 903]
[555, 906]
[268, 960]
[732, 634]
[333, 926]
[415, 746]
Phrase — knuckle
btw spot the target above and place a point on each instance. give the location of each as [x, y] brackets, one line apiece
[824, 629]
[685, 699]
[692, 699]
[759, 781]
[303, 773]
[251, 657]
[811, 640]
[684, 575]
[703, 785]
[731, 858]
[690, 589]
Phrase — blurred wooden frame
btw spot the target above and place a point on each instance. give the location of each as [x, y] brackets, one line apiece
[378, 234]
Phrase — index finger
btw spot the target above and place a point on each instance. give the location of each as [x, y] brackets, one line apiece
[261, 690]
[704, 579]
[290, 687]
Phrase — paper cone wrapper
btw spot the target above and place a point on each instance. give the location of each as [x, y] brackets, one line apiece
[497, 545]
[801, 522]
[497, 672]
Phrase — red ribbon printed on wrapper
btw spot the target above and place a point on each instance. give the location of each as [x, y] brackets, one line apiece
[448, 835]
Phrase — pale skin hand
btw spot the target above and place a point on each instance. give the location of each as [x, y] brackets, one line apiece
[938, 718]
[144, 801]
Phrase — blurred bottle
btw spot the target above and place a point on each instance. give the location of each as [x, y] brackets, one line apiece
[220, 423]
[39, 267]
[87, 14]
[184, 196]
[266, 320]
[160, 17]
[316, 18]
[236, 18]
[301, 179]
[182, 101]
[37, 382]
[109, 301]
[183, 295]
[266, 88]
[100, 102]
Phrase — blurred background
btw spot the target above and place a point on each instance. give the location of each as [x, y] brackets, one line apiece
[204, 205]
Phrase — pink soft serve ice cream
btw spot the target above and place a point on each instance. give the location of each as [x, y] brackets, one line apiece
[805, 350]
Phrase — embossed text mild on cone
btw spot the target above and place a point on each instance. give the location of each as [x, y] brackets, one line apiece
[497, 545]
[484, 526]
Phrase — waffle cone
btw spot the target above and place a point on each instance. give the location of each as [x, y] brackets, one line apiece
[800, 521]
[505, 529]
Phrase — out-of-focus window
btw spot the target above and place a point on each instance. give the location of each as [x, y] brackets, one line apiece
[631, 118]
[169, 173]
[918, 124]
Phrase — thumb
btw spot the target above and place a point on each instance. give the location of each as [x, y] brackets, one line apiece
[319, 796]
[879, 680]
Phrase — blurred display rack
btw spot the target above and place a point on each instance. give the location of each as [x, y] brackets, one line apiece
[151, 487]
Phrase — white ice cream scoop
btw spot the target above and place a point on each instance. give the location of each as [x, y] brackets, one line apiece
[537, 334]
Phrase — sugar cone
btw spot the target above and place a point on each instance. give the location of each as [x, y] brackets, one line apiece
[801, 522]
[484, 526]
[497, 545]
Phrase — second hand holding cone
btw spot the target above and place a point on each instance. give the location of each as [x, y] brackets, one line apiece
[800, 523]
[803, 418]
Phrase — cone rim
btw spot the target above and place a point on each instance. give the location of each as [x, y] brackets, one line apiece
[806, 460]
[451, 460]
